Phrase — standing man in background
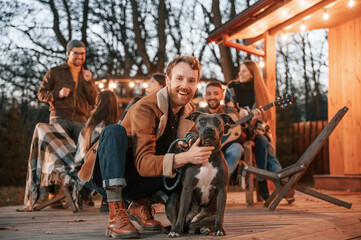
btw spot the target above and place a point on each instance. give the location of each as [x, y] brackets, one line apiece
[69, 89]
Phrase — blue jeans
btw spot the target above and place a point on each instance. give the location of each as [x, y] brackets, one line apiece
[265, 157]
[116, 166]
[232, 155]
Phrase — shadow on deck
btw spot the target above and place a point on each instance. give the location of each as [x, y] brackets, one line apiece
[306, 218]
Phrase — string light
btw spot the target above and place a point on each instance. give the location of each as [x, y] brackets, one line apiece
[202, 104]
[261, 63]
[112, 85]
[145, 85]
[351, 3]
[101, 85]
[325, 15]
[303, 27]
[131, 84]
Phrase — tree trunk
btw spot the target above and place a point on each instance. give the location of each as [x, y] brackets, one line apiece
[227, 66]
[161, 37]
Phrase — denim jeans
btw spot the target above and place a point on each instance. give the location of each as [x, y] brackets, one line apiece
[116, 166]
[265, 157]
[232, 155]
[73, 128]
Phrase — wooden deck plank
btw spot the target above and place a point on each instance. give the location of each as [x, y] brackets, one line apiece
[308, 217]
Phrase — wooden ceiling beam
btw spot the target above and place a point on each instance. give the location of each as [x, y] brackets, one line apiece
[241, 47]
[216, 34]
[254, 41]
[300, 16]
[271, 9]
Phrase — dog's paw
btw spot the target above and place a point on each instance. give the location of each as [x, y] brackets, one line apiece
[204, 231]
[173, 234]
[166, 229]
[219, 232]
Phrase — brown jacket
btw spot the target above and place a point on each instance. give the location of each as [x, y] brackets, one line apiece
[71, 108]
[145, 123]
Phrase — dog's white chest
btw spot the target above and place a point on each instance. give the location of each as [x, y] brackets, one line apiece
[205, 176]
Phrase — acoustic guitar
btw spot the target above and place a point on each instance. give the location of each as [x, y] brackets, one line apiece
[235, 130]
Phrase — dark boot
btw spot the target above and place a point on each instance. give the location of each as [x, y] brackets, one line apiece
[142, 212]
[104, 207]
[119, 225]
[290, 196]
[263, 189]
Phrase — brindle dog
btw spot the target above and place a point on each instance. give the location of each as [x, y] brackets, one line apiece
[204, 192]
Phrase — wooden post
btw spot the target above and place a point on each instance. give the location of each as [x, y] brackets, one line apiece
[248, 178]
[269, 75]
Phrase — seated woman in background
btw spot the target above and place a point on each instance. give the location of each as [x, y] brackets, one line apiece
[52, 150]
[104, 114]
[247, 94]
[156, 83]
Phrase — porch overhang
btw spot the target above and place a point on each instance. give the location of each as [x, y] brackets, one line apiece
[280, 16]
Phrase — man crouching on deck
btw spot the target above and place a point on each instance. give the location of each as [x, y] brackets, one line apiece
[153, 124]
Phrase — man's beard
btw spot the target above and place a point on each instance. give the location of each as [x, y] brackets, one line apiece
[175, 97]
[216, 106]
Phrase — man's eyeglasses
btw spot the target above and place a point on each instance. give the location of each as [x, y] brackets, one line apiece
[78, 53]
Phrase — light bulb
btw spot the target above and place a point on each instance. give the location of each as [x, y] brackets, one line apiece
[145, 85]
[325, 15]
[351, 3]
[303, 27]
[112, 85]
[101, 85]
[202, 104]
[131, 84]
[261, 63]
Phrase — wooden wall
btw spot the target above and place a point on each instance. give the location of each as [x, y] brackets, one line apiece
[304, 133]
[345, 90]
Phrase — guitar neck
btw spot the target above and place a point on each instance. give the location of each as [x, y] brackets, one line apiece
[250, 115]
[268, 106]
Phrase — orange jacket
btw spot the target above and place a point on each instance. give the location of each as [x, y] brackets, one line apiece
[145, 123]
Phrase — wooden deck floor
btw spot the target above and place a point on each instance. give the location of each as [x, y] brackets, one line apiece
[306, 218]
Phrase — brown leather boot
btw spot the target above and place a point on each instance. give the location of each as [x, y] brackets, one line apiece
[119, 225]
[290, 196]
[142, 212]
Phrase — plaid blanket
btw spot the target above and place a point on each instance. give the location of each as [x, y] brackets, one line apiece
[51, 148]
[54, 158]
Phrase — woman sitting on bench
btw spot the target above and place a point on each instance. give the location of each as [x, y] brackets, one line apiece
[52, 150]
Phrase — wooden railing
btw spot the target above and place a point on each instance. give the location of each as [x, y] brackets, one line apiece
[303, 135]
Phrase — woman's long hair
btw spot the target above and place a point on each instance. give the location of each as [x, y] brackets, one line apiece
[106, 109]
[261, 93]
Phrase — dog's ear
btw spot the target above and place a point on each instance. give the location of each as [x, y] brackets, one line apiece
[227, 119]
[193, 116]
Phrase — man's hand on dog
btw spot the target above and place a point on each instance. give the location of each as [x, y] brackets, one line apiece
[195, 155]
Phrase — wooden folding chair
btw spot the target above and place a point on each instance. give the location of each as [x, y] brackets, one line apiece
[65, 193]
[249, 159]
[288, 177]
